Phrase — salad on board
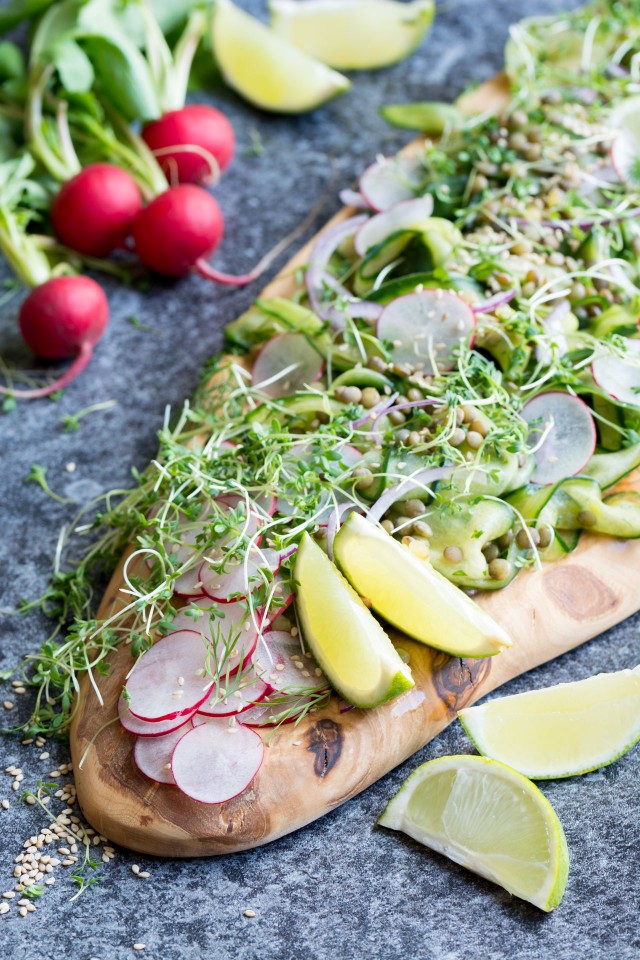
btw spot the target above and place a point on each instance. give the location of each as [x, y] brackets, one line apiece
[454, 384]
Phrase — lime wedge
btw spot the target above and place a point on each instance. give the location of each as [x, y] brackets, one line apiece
[413, 596]
[265, 68]
[488, 818]
[560, 731]
[345, 638]
[353, 34]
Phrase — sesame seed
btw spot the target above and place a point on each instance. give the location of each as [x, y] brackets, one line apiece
[8, 704]
[139, 946]
[249, 913]
[5, 804]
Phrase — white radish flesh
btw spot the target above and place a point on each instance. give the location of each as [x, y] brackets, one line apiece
[216, 761]
[561, 427]
[152, 755]
[425, 327]
[285, 364]
[239, 579]
[169, 680]
[286, 667]
[231, 632]
[235, 703]
[390, 180]
[147, 728]
[620, 377]
[406, 215]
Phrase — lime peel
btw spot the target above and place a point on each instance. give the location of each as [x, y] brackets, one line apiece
[347, 641]
[353, 34]
[265, 68]
[489, 818]
[561, 731]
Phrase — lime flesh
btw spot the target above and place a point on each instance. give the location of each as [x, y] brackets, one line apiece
[353, 34]
[413, 596]
[347, 641]
[488, 818]
[560, 731]
[265, 68]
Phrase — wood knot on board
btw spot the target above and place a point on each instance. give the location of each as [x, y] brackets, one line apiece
[579, 593]
[455, 679]
[325, 742]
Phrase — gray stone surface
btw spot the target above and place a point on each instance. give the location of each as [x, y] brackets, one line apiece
[340, 888]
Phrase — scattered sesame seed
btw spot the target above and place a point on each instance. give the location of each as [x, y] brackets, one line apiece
[5, 804]
[249, 913]
[139, 946]
[8, 704]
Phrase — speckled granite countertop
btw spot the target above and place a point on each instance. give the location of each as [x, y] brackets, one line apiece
[341, 888]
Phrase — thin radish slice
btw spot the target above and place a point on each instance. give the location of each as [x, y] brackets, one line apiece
[169, 680]
[270, 711]
[406, 215]
[561, 427]
[619, 377]
[216, 761]
[287, 363]
[625, 149]
[228, 629]
[390, 180]
[352, 198]
[425, 328]
[235, 703]
[148, 728]
[286, 667]
[239, 579]
[152, 756]
[553, 326]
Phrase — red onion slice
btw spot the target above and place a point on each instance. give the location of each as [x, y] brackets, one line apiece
[494, 302]
[418, 481]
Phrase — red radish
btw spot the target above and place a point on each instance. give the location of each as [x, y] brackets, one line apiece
[147, 728]
[179, 228]
[229, 622]
[92, 213]
[216, 760]
[191, 144]
[426, 327]
[63, 317]
[561, 427]
[237, 702]
[390, 180]
[152, 755]
[170, 679]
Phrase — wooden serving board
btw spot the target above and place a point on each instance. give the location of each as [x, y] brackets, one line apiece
[331, 756]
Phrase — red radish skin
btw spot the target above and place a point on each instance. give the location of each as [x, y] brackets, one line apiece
[189, 142]
[63, 317]
[92, 213]
[217, 760]
[177, 229]
[147, 728]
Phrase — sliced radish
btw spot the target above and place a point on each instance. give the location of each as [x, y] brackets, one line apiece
[428, 324]
[619, 377]
[625, 149]
[285, 364]
[153, 755]
[562, 429]
[235, 703]
[231, 629]
[169, 680]
[270, 711]
[406, 215]
[391, 180]
[286, 667]
[148, 728]
[216, 761]
[239, 579]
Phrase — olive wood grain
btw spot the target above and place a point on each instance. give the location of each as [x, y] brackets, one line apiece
[331, 756]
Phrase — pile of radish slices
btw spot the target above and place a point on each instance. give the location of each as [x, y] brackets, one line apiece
[195, 698]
